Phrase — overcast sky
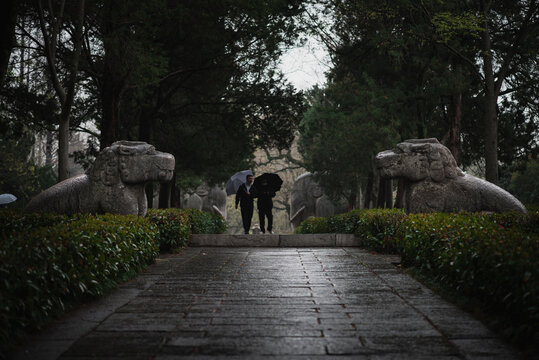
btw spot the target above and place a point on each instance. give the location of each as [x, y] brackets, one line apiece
[305, 66]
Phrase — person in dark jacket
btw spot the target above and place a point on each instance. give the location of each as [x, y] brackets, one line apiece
[265, 205]
[245, 196]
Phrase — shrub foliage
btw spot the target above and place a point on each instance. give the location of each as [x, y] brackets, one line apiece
[176, 226]
[50, 262]
[488, 257]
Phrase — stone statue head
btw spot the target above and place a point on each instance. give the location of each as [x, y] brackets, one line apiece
[131, 162]
[418, 159]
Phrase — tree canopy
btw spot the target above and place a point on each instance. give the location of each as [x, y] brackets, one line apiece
[199, 79]
[406, 69]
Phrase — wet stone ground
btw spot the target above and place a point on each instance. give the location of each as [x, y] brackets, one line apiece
[285, 303]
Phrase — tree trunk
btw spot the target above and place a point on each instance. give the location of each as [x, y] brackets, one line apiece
[8, 20]
[490, 107]
[352, 200]
[455, 121]
[110, 103]
[175, 194]
[113, 80]
[382, 189]
[368, 191]
[388, 194]
[145, 127]
[66, 91]
[48, 148]
[63, 146]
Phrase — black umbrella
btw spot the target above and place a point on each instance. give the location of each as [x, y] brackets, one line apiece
[268, 182]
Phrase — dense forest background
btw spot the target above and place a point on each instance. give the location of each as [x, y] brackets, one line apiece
[201, 80]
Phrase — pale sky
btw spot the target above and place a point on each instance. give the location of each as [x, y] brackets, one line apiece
[305, 66]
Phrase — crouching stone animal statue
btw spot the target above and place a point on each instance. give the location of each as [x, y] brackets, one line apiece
[114, 184]
[434, 183]
[307, 199]
[206, 198]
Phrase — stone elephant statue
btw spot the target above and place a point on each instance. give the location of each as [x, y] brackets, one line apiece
[206, 198]
[114, 183]
[434, 183]
[307, 199]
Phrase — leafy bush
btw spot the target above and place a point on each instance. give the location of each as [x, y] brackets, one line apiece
[489, 257]
[477, 256]
[378, 227]
[313, 225]
[13, 221]
[206, 223]
[174, 226]
[343, 223]
[48, 266]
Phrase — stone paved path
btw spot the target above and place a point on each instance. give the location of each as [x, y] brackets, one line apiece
[285, 303]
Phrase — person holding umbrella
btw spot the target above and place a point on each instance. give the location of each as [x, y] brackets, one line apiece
[267, 185]
[245, 197]
[265, 205]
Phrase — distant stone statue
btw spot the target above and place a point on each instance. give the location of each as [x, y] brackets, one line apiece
[114, 184]
[206, 198]
[434, 183]
[307, 199]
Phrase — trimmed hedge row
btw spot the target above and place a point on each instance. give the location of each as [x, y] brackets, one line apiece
[376, 227]
[50, 262]
[492, 258]
[176, 226]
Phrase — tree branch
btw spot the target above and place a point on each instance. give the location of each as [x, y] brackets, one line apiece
[50, 49]
[522, 32]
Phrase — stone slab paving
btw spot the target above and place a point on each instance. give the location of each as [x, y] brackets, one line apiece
[267, 240]
[270, 303]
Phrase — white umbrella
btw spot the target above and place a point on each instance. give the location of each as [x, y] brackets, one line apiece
[235, 181]
[7, 198]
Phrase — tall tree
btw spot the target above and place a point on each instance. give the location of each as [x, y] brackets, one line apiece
[216, 103]
[8, 20]
[346, 124]
[52, 22]
[508, 39]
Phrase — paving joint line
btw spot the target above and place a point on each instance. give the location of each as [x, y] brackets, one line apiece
[394, 291]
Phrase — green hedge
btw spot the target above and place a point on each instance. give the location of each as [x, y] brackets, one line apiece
[48, 262]
[492, 258]
[206, 223]
[176, 226]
